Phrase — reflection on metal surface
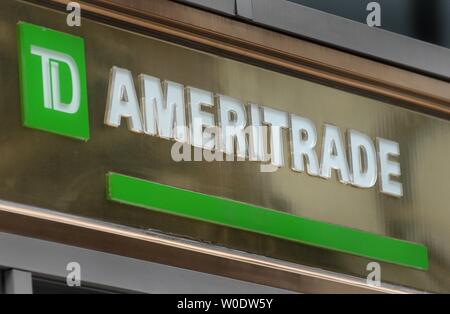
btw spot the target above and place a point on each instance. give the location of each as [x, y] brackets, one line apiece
[324, 276]
[62, 174]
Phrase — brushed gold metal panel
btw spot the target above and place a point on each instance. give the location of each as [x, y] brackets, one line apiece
[50, 171]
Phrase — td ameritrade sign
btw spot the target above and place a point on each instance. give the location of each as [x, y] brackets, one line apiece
[54, 99]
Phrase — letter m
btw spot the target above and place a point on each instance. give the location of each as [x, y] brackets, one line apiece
[163, 108]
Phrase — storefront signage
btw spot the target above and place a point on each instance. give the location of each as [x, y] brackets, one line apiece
[173, 111]
[54, 99]
[289, 168]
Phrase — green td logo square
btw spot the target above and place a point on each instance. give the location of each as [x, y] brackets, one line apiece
[53, 81]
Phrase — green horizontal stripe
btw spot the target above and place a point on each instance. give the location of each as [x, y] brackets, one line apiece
[168, 199]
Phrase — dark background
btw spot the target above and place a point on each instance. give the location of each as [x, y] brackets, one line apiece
[427, 20]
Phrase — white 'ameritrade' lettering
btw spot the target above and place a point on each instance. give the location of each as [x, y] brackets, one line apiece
[190, 115]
